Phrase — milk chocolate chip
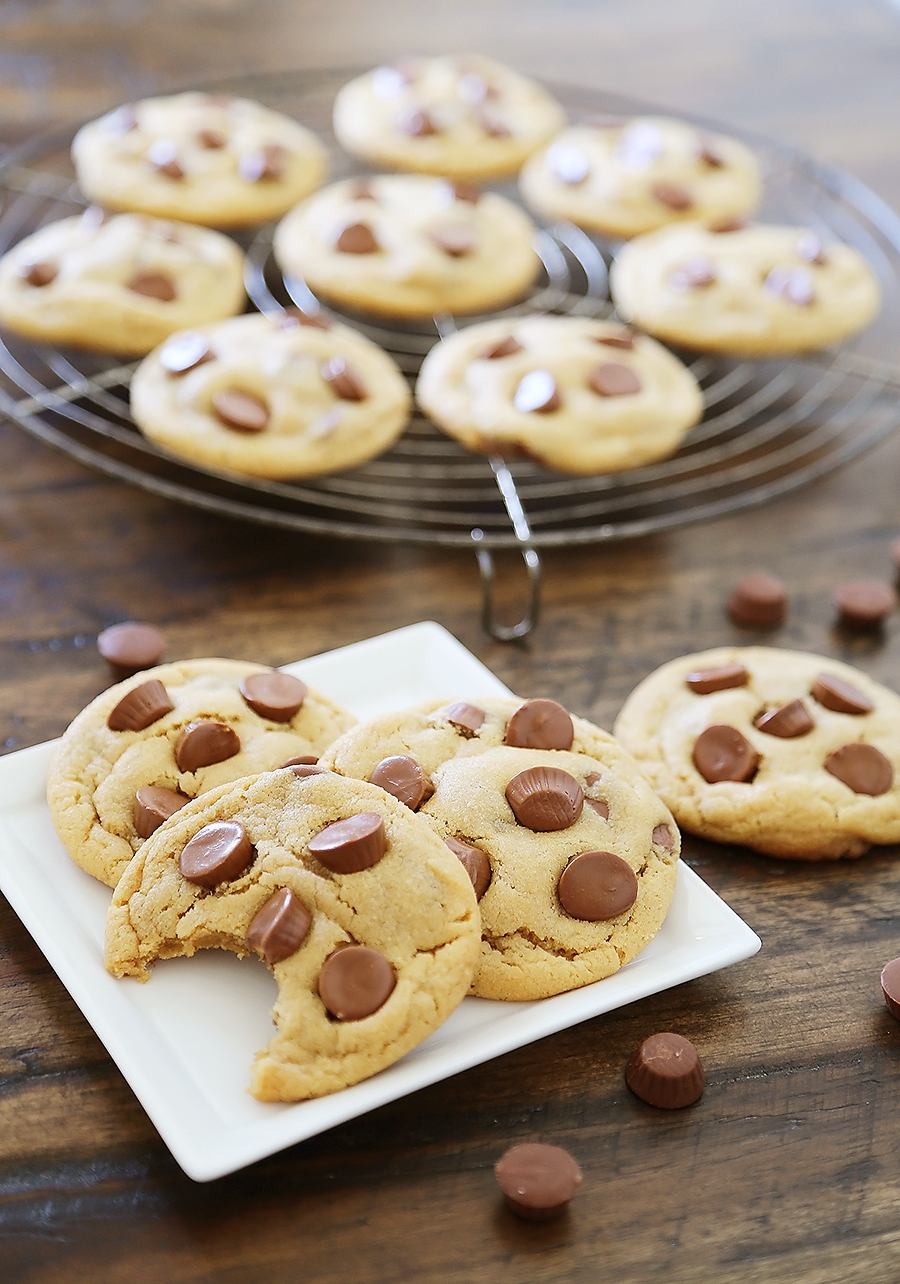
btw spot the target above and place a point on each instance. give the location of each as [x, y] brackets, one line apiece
[39, 274]
[537, 1181]
[705, 681]
[466, 718]
[695, 274]
[131, 646]
[662, 836]
[350, 845]
[540, 724]
[153, 285]
[357, 238]
[205, 742]
[490, 122]
[454, 240]
[839, 695]
[862, 768]
[475, 862]
[303, 769]
[569, 164]
[217, 854]
[673, 195]
[793, 284]
[342, 379]
[279, 929]
[758, 601]
[211, 139]
[162, 155]
[301, 760]
[707, 155]
[809, 247]
[185, 352]
[242, 411]
[140, 707]
[263, 163]
[624, 340]
[596, 886]
[890, 987]
[416, 123]
[600, 806]
[502, 348]
[666, 1072]
[611, 379]
[152, 805]
[722, 753]
[537, 392]
[355, 982]
[402, 776]
[787, 721]
[545, 798]
[277, 696]
[864, 604]
[468, 192]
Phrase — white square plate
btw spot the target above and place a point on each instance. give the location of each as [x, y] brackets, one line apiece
[185, 1040]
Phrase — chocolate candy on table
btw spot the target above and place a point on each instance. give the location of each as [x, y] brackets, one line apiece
[537, 393]
[666, 1072]
[276, 696]
[840, 696]
[474, 861]
[130, 647]
[355, 982]
[862, 768]
[537, 1180]
[140, 707]
[758, 601]
[468, 719]
[185, 352]
[864, 604]
[787, 721]
[540, 724]
[350, 845]
[612, 379]
[154, 804]
[402, 776]
[890, 987]
[242, 411]
[545, 798]
[279, 929]
[722, 753]
[596, 886]
[217, 853]
[720, 678]
[205, 742]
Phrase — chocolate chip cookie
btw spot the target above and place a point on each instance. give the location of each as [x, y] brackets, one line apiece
[791, 754]
[368, 922]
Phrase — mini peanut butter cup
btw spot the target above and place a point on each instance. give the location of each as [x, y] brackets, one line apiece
[537, 1180]
[537, 393]
[502, 348]
[218, 853]
[279, 928]
[185, 352]
[263, 164]
[758, 600]
[276, 696]
[611, 379]
[357, 238]
[722, 753]
[840, 696]
[205, 742]
[130, 647]
[666, 1072]
[467, 719]
[351, 845]
[402, 776]
[673, 195]
[540, 724]
[355, 982]
[153, 285]
[545, 798]
[154, 804]
[140, 707]
[242, 411]
[720, 678]
[862, 768]
[596, 886]
[890, 986]
[864, 604]
[342, 379]
[474, 861]
[787, 721]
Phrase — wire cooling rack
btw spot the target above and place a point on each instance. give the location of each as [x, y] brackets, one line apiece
[769, 426]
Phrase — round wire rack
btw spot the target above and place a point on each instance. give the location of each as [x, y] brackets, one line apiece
[769, 426]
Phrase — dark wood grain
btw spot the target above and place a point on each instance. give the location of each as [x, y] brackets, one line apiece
[789, 1167]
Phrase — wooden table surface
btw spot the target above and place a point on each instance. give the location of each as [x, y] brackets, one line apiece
[789, 1167]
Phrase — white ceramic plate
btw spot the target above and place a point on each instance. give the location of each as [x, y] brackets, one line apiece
[185, 1040]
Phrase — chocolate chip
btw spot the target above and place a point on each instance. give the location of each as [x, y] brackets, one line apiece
[890, 987]
[475, 862]
[303, 769]
[388, 82]
[279, 929]
[707, 155]
[537, 392]
[217, 854]
[343, 380]
[241, 410]
[154, 804]
[502, 348]
[610, 379]
[277, 696]
[545, 798]
[694, 274]
[356, 238]
[473, 88]
[490, 122]
[839, 695]
[624, 340]
[130, 647]
[402, 776]
[293, 317]
[862, 768]
[466, 718]
[728, 225]
[454, 240]
[121, 121]
[140, 707]
[39, 274]
[720, 678]
[673, 195]
[666, 1072]
[809, 247]
[569, 164]
[600, 806]
[864, 604]
[185, 352]
[758, 601]
[787, 721]
[350, 845]
[301, 760]
[793, 284]
[596, 886]
[211, 139]
[722, 753]
[93, 218]
[205, 742]
[463, 191]
[162, 155]
[662, 836]
[537, 1181]
[355, 982]
[153, 285]
[416, 123]
[263, 163]
[540, 724]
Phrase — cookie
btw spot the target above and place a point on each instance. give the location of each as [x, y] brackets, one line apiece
[405, 245]
[145, 747]
[794, 755]
[118, 284]
[622, 178]
[293, 397]
[203, 158]
[756, 291]
[368, 922]
[572, 855]
[469, 117]
[572, 393]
